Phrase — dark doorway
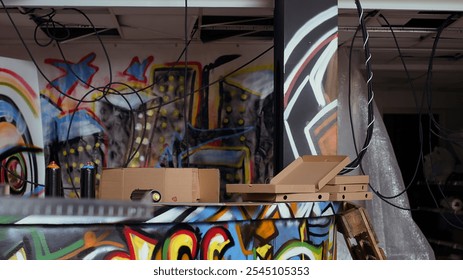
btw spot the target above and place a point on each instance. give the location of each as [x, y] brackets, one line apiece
[404, 132]
[441, 225]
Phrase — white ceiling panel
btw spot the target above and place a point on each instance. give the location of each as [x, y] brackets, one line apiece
[159, 27]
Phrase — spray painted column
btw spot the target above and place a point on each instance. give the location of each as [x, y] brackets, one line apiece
[306, 33]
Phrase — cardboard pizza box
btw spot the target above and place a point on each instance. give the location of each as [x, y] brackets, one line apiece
[285, 197]
[315, 170]
[345, 188]
[306, 174]
[173, 184]
[351, 196]
[349, 179]
[269, 188]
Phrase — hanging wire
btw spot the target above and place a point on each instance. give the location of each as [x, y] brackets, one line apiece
[47, 22]
[371, 118]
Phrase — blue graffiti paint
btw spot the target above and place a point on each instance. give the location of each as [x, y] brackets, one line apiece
[74, 72]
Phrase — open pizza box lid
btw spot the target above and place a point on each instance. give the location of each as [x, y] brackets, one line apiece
[305, 174]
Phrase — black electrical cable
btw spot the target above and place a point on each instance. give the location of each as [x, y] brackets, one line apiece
[107, 89]
[380, 195]
[145, 110]
[108, 60]
[43, 23]
[218, 80]
[76, 99]
[148, 152]
[66, 144]
[133, 91]
[50, 21]
[158, 107]
[428, 94]
[437, 206]
[31, 56]
[15, 150]
[130, 157]
[356, 162]
[19, 177]
[419, 109]
[421, 152]
[428, 87]
[385, 198]
[185, 87]
[409, 185]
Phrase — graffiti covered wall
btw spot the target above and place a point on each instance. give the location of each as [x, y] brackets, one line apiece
[20, 127]
[310, 78]
[278, 231]
[150, 111]
[128, 105]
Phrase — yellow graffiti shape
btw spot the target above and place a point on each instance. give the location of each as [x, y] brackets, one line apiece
[177, 242]
[216, 245]
[264, 252]
[142, 249]
[140, 246]
[20, 254]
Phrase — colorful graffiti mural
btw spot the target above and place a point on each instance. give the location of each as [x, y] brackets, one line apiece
[151, 111]
[20, 127]
[277, 231]
[159, 115]
[310, 83]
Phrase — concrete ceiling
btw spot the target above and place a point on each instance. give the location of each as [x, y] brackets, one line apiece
[415, 31]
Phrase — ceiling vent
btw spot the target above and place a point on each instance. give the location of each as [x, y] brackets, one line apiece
[64, 33]
[427, 22]
[213, 28]
[66, 25]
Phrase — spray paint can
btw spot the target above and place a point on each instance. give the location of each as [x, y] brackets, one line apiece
[53, 180]
[87, 180]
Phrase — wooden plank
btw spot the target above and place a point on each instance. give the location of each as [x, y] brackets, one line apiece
[360, 238]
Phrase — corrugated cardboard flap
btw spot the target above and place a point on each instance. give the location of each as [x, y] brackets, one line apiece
[209, 185]
[311, 170]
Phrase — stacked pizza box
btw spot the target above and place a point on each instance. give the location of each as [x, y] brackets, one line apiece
[347, 187]
[308, 178]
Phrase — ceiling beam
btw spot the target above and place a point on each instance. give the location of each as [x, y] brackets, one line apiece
[421, 5]
[417, 5]
[142, 3]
